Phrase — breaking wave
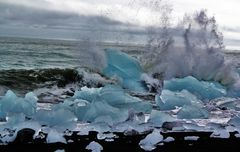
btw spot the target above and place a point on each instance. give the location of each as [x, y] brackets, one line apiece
[22, 79]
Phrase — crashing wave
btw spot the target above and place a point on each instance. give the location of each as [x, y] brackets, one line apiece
[199, 53]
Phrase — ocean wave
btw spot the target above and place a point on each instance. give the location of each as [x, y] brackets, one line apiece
[24, 80]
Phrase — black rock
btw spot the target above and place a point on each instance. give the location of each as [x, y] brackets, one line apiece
[25, 136]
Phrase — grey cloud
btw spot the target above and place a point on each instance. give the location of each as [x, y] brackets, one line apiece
[17, 20]
[25, 16]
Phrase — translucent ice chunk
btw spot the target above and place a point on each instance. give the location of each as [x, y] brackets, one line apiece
[15, 119]
[10, 103]
[192, 112]
[112, 94]
[94, 147]
[191, 138]
[220, 133]
[101, 136]
[107, 119]
[169, 100]
[202, 89]
[150, 141]
[54, 137]
[58, 117]
[110, 102]
[157, 118]
[131, 127]
[86, 93]
[60, 150]
[115, 95]
[169, 139]
[125, 68]
[98, 109]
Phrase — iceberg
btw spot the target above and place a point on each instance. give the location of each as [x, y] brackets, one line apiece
[192, 112]
[126, 69]
[169, 100]
[202, 89]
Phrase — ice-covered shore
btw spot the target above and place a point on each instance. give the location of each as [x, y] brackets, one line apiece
[182, 104]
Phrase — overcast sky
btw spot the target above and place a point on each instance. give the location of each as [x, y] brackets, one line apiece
[70, 19]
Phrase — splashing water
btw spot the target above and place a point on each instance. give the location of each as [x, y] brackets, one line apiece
[92, 56]
[201, 54]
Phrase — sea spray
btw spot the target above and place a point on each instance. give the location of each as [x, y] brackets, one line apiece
[92, 55]
[200, 53]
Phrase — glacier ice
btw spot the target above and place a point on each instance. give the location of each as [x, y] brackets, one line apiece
[169, 100]
[202, 89]
[127, 70]
[150, 141]
[192, 112]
